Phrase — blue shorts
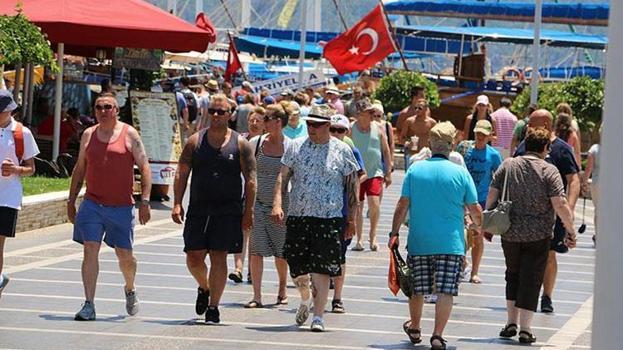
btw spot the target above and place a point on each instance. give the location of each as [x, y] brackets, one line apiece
[113, 225]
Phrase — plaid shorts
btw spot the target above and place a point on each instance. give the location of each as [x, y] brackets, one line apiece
[435, 274]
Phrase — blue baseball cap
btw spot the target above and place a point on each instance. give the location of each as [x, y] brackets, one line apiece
[269, 100]
[6, 101]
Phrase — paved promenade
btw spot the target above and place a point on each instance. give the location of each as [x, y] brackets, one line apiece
[37, 308]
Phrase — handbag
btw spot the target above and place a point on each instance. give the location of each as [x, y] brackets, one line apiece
[497, 220]
[401, 272]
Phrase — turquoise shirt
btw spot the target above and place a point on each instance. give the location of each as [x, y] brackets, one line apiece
[482, 164]
[294, 133]
[369, 144]
[437, 190]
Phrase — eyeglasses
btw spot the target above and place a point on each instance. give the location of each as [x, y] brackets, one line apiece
[213, 111]
[419, 108]
[268, 118]
[337, 130]
[316, 125]
[105, 107]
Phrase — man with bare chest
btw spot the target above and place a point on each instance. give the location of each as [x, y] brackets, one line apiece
[419, 126]
[417, 93]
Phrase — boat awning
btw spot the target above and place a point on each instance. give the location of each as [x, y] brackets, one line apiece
[267, 42]
[507, 35]
[595, 14]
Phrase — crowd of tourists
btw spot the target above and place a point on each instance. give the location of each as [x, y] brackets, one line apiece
[288, 177]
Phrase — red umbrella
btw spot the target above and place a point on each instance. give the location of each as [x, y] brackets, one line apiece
[86, 25]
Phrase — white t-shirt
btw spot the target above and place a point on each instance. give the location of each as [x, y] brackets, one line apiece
[11, 186]
[425, 153]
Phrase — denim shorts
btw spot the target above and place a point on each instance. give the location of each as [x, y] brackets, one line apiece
[113, 225]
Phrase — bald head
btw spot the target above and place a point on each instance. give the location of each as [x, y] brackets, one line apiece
[541, 118]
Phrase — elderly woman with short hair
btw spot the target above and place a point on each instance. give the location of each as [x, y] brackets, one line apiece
[536, 191]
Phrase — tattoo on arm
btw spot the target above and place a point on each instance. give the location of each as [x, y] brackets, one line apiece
[352, 187]
[249, 171]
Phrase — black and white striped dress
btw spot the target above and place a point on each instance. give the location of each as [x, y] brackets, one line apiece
[267, 238]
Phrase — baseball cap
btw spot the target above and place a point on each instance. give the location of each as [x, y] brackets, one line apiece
[340, 121]
[287, 92]
[482, 99]
[484, 127]
[443, 132]
[363, 105]
[269, 100]
[333, 90]
[379, 107]
[6, 101]
[247, 84]
[320, 113]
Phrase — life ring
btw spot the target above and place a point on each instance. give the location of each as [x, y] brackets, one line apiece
[529, 70]
[516, 74]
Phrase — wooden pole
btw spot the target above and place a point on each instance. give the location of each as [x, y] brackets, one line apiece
[396, 43]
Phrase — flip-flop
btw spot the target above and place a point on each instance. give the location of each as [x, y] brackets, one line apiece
[358, 248]
[282, 300]
[475, 280]
[374, 247]
[438, 338]
[253, 305]
[415, 335]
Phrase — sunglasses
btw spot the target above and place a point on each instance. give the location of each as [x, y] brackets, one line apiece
[105, 107]
[338, 130]
[419, 108]
[268, 118]
[316, 125]
[213, 111]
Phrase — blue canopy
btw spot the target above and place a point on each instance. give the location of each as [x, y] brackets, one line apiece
[508, 35]
[279, 42]
[566, 13]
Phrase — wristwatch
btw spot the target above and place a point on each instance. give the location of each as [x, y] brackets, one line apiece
[145, 201]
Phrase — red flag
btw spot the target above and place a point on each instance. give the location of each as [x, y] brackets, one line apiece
[203, 22]
[233, 62]
[363, 45]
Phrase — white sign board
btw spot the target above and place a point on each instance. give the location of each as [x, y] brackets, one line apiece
[291, 81]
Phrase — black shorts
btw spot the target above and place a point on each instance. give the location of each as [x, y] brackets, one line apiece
[344, 242]
[314, 245]
[558, 242]
[8, 221]
[220, 233]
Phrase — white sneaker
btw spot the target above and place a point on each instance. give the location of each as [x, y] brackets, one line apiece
[317, 325]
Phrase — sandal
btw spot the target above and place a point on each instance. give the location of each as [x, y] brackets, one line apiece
[509, 331]
[253, 305]
[526, 337]
[337, 306]
[415, 335]
[440, 340]
[358, 248]
[374, 247]
[475, 279]
[236, 276]
[281, 300]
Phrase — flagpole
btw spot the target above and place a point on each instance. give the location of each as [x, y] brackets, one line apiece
[233, 43]
[304, 5]
[391, 29]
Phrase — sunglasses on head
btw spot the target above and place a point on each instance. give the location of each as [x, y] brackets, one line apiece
[213, 111]
[268, 118]
[316, 125]
[106, 107]
[337, 130]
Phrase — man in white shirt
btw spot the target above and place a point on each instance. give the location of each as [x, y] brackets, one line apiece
[17, 152]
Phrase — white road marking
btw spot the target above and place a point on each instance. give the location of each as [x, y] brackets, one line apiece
[574, 328]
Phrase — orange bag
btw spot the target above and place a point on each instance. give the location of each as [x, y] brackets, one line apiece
[399, 275]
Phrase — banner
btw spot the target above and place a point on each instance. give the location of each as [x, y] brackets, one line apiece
[138, 59]
[291, 81]
[154, 115]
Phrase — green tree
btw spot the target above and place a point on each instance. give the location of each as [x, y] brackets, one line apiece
[583, 94]
[394, 90]
[22, 42]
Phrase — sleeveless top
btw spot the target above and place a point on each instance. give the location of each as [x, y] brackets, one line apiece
[369, 144]
[110, 171]
[216, 184]
[268, 167]
[472, 125]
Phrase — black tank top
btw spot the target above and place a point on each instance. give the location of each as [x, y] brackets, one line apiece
[472, 125]
[216, 185]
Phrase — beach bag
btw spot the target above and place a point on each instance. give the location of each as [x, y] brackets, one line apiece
[497, 220]
[399, 276]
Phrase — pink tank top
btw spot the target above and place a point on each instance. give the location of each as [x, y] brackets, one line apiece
[110, 171]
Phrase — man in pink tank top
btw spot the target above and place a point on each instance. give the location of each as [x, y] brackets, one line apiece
[108, 153]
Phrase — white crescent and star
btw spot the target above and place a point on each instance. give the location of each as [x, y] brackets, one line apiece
[374, 36]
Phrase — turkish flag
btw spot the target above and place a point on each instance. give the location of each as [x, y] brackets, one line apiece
[233, 62]
[363, 45]
[203, 22]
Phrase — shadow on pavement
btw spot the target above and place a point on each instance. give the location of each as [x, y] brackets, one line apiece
[71, 318]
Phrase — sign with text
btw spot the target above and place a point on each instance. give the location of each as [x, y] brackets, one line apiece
[138, 58]
[290, 81]
[154, 115]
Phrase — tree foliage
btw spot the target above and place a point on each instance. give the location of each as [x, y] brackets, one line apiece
[583, 94]
[22, 42]
[395, 89]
